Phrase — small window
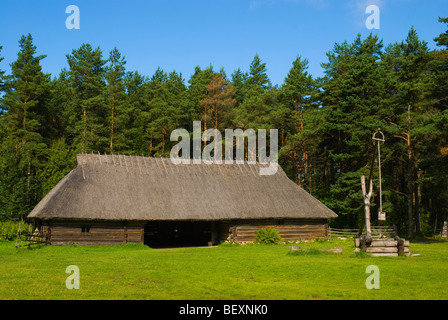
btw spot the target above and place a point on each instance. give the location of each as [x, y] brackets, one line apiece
[85, 229]
[281, 222]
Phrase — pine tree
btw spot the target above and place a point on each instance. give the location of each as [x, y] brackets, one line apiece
[196, 92]
[258, 74]
[431, 189]
[218, 100]
[439, 66]
[23, 146]
[298, 94]
[115, 99]
[410, 60]
[254, 110]
[177, 93]
[135, 128]
[86, 76]
[2, 74]
[355, 104]
[238, 82]
[163, 112]
[60, 161]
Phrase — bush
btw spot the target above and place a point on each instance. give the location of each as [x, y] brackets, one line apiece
[8, 230]
[268, 236]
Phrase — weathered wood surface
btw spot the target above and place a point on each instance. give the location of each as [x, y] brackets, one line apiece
[287, 232]
[384, 243]
[334, 250]
[94, 233]
[384, 254]
[366, 197]
[382, 250]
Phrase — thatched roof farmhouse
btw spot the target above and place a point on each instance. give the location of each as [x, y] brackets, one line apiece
[111, 199]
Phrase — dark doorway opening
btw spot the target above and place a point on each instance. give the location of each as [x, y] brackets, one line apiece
[165, 234]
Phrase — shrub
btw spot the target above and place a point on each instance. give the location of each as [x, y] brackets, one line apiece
[268, 236]
[8, 230]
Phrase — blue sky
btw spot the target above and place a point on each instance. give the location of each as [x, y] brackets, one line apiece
[179, 35]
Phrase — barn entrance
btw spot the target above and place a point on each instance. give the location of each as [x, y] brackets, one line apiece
[165, 234]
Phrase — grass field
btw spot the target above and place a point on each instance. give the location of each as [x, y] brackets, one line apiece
[222, 272]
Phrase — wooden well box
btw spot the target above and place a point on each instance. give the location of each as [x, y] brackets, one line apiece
[382, 247]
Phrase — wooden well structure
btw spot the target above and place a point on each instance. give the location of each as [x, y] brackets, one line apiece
[382, 247]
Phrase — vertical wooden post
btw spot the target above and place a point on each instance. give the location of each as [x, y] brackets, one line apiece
[366, 198]
[142, 234]
[445, 229]
[125, 232]
[214, 233]
[48, 240]
[378, 136]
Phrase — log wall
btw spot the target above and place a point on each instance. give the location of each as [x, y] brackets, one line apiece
[289, 230]
[94, 233]
[236, 231]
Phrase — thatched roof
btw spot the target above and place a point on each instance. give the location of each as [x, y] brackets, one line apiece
[121, 187]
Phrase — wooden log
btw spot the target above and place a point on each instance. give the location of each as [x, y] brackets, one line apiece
[334, 250]
[384, 243]
[384, 254]
[382, 250]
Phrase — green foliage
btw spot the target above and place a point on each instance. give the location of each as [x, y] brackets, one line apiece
[87, 81]
[360, 254]
[8, 230]
[23, 144]
[59, 162]
[268, 236]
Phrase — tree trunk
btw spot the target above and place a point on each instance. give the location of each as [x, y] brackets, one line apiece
[445, 229]
[366, 197]
[416, 207]
[84, 122]
[112, 129]
[410, 179]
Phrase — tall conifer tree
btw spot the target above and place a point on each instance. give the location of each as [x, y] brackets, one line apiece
[87, 78]
[23, 146]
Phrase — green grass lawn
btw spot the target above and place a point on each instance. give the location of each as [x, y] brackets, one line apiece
[222, 272]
